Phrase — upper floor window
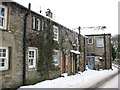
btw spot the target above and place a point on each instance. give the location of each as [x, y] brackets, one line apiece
[55, 30]
[38, 24]
[32, 57]
[90, 41]
[3, 58]
[56, 57]
[3, 17]
[100, 42]
[42, 25]
[35, 24]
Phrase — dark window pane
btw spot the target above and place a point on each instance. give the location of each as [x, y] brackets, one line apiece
[31, 61]
[3, 64]
[1, 21]
[32, 52]
[0, 54]
[3, 12]
[4, 50]
[3, 60]
[4, 54]
[0, 50]
[29, 52]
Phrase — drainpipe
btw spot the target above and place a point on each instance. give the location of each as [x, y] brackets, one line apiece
[84, 53]
[79, 38]
[105, 51]
[110, 52]
[24, 46]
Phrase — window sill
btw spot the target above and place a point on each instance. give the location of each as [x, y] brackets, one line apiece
[2, 70]
[90, 43]
[99, 46]
[32, 69]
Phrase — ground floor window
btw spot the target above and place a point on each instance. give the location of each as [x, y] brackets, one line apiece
[3, 58]
[56, 57]
[32, 55]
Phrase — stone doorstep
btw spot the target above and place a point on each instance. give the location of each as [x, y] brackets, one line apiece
[95, 86]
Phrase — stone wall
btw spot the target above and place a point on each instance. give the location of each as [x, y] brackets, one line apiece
[13, 38]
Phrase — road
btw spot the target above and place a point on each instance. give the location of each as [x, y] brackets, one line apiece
[112, 83]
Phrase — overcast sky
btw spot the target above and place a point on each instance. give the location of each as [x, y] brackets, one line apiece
[84, 13]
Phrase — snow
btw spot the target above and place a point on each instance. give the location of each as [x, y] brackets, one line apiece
[113, 83]
[80, 80]
[76, 52]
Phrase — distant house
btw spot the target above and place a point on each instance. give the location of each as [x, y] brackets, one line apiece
[99, 51]
[27, 51]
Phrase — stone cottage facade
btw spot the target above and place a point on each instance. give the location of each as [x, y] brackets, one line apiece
[25, 37]
[99, 51]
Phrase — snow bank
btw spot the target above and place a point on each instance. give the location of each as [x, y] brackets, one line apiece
[82, 80]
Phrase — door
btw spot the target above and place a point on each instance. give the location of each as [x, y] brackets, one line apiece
[64, 62]
[90, 60]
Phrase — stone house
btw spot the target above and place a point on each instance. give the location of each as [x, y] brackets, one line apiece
[27, 42]
[99, 51]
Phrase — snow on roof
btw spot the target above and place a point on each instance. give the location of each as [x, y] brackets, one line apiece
[73, 51]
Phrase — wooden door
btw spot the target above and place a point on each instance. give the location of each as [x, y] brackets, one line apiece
[64, 62]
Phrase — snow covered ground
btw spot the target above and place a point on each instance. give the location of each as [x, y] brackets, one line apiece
[81, 80]
[113, 83]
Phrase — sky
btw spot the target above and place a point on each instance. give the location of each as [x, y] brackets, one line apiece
[83, 13]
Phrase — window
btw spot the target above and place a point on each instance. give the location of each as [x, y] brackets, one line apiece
[90, 41]
[3, 17]
[56, 57]
[100, 42]
[38, 24]
[42, 25]
[35, 24]
[3, 58]
[32, 57]
[55, 30]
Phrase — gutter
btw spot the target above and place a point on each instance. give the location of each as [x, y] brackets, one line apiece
[24, 46]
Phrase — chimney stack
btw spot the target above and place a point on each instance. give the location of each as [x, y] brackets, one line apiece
[49, 13]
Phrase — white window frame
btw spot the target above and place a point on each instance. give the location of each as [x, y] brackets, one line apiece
[57, 58]
[6, 59]
[38, 25]
[102, 43]
[55, 27]
[35, 57]
[42, 25]
[90, 42]
[4, 17]
[33, 23]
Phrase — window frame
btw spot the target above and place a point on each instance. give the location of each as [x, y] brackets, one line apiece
[4, 17]
[56, 64]
[101, 41]
[57, 34]
[6, 59]
[34, 59]
[42, 25]
[38, 24]
[89, 42]
[33, 23]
